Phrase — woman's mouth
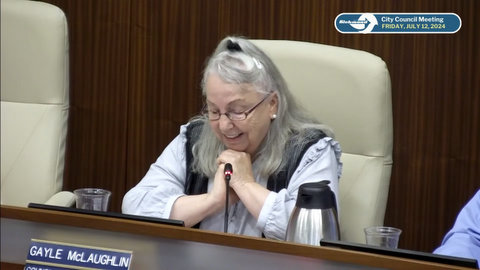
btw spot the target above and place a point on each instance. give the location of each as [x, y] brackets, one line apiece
[232, 136]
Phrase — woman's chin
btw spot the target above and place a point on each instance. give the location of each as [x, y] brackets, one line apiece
[235, 145]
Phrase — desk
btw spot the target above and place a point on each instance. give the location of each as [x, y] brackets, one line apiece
[157, 246]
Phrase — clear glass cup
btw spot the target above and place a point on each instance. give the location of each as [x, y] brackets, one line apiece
[92, 198]
[382, 236]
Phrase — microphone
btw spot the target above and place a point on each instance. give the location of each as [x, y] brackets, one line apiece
[228, 171]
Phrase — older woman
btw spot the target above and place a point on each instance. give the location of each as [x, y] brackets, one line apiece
[251, 121]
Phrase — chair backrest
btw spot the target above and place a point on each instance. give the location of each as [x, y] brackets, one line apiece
[34, 100]
[350, 91]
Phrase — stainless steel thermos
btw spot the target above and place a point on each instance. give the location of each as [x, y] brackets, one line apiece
[314, 216]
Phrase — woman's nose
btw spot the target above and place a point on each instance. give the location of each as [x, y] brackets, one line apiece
[224, 122]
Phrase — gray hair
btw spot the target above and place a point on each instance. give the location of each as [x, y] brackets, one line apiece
[250, 65]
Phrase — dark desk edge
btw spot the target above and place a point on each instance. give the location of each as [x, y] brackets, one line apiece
[172, 222]
[402, 253]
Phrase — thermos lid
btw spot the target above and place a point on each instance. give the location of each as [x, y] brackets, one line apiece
[316, 195]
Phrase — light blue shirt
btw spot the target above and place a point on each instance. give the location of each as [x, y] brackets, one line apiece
[164, 182]
[463, 240]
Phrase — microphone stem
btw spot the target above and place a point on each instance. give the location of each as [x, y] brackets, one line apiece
[225, 225]
[228, 172]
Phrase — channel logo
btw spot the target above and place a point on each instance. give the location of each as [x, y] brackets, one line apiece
[397, 23]
[364, 24]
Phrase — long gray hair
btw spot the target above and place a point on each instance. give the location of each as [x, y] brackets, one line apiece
[236, 60]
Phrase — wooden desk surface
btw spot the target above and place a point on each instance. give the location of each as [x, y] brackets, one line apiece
[170, 245]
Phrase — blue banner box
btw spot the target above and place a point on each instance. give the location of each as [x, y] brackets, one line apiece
[55, 255]
[398, 23]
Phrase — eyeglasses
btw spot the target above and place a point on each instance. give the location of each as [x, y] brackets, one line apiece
[234, 116]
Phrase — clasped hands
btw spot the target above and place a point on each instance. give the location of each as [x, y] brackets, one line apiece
[242, 174]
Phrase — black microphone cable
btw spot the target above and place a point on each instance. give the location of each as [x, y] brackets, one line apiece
[228, 171]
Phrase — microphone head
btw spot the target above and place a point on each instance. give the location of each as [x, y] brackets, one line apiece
[228, 168]
[228, 171]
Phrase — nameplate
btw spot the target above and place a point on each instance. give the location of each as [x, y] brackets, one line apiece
[55, 255]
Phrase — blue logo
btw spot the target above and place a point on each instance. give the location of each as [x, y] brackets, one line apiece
[397, 23]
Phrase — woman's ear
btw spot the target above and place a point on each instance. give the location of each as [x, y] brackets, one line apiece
[274, 104]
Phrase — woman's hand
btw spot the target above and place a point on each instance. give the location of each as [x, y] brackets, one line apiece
[242, 181]
[241, 165]
[218, 192]
[194, 208]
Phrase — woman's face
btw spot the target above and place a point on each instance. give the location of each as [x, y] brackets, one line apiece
[244, 135]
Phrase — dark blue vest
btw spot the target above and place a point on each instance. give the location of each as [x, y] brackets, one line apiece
[294, 151]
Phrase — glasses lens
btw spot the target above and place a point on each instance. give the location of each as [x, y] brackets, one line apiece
[213, 115]
[237, 116]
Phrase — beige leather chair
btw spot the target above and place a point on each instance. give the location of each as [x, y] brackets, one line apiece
[34, 108]
[350, 91]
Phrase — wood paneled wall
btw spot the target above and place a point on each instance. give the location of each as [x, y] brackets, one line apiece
[136, 67]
